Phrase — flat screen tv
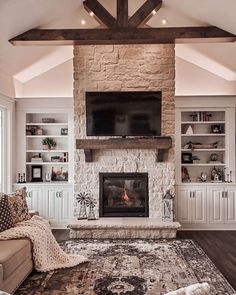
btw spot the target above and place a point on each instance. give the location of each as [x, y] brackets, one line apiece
[124, 113]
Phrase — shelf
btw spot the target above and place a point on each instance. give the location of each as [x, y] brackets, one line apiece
[46, 151]
[202, 122]
[46, 135]
[204, 134]
[46, 124]
[203, 164]
[203, 150]
[47, 163]
[162, 144]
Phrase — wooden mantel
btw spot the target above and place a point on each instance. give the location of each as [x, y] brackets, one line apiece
[162, 144]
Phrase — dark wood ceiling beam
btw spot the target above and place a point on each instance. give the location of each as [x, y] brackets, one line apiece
[144, 13]
[122, 13]
[122, 36]
[100, 13]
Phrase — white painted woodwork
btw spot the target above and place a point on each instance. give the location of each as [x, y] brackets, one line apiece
[216, 205]
[230, 205]
[198, 204]
[183, 205]
[54, 201]
[191, 204]
[34, 200]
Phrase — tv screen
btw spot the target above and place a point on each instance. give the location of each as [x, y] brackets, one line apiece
[123, 113]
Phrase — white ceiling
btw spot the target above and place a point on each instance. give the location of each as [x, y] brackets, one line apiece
[25, 63]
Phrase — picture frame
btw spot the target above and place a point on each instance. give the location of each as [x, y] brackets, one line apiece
[64, 131]
[216, 128]
[36, 173]
[59, 174]
[187, 158]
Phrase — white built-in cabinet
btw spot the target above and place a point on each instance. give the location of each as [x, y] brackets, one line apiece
[53, 200]
[194, 208]
[222, 205]
[209, 204]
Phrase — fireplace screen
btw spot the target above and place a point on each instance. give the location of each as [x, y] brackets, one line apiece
[123, 194]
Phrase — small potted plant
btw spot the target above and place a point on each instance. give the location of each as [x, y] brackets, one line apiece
[48, 143]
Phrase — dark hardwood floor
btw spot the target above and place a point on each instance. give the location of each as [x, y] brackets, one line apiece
[220, 246]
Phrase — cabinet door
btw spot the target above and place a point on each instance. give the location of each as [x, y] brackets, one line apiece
[34, 199]
[183, 205]
[66, 205]
[59, 205]
[216, 205]
[52, 205]
[198, 203]
[230, 206]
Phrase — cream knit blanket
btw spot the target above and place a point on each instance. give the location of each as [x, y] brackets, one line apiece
[47, 254]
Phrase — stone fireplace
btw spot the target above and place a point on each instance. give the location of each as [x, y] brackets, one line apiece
[123, 195]
[125, 68]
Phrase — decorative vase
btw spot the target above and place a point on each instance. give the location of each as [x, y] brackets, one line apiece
[46, 147]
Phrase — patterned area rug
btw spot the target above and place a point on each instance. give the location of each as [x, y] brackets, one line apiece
[134, 267]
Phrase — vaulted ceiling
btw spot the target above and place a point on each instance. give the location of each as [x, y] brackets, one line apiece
[25, 63]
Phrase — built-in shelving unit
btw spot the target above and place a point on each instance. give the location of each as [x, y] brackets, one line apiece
[53, 160]
[203, 145]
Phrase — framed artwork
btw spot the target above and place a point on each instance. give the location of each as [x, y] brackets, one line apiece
[59, 174]
[64, 131]
[187, 158]
[36, 173]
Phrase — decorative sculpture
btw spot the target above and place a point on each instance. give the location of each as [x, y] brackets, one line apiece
[91, 203]
[81, 199]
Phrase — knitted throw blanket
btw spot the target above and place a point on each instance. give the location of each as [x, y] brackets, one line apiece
[47, 254]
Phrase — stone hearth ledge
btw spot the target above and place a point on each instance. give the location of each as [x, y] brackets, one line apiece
[123, 228]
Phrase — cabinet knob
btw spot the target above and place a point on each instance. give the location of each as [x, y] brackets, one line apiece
[29, 195]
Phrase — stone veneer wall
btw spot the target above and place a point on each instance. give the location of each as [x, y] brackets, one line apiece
[127, 68]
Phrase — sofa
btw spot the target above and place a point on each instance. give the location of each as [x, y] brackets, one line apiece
[15, 263]
[16, 260]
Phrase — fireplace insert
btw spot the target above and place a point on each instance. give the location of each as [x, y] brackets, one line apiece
[123, 195]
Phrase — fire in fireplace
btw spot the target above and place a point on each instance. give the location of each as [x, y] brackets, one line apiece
[123, 195]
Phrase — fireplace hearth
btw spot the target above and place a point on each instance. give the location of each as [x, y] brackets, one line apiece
[123, 195]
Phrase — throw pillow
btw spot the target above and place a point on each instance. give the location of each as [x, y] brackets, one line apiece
[5, 214]
[196, 289]
[18, 206]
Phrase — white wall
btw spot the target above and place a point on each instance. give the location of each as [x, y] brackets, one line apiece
[6, 85]
[57, 82]
[193, 80]
[8, 105]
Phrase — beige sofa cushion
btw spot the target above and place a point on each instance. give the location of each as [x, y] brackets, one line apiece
[13, 253]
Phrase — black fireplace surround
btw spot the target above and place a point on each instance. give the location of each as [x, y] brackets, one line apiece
[123, 195]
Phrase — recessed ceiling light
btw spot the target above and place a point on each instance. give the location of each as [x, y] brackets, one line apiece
[83, 22]
[154, 12]
[91, 13]
[164, 21]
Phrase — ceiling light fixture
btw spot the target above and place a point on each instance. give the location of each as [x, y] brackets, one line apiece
[83, 22]
[164, 21]
[154, 12]
[91, 13]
